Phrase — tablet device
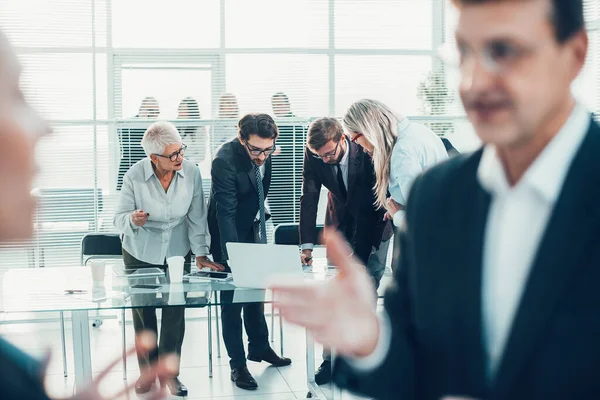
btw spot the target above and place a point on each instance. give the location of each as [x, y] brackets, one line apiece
[202, 276]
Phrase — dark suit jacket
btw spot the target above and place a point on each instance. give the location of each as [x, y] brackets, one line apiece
[450, 149]
[435, 308]
[356, 216]
[233, 200]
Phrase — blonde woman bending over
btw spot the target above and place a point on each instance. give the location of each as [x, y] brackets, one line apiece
[401, 150]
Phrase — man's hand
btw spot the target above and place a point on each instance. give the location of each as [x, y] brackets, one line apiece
[165, 369]
[306, 257]
[204, 262]
[139, 217]
[340, 313]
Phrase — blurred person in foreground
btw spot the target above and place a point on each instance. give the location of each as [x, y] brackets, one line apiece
[162, 213]
[496, 295]
[22, 376]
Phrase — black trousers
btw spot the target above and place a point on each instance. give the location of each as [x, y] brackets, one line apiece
[173, 319]
[254, 322]
[396, 253]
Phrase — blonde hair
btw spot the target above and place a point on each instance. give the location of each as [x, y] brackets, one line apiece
[379, 125]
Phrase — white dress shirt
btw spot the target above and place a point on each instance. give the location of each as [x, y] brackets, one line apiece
[177, 220]
[517, 219]
[343, 165]
[417, 148]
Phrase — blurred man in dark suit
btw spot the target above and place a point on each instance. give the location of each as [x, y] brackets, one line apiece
[496, 296]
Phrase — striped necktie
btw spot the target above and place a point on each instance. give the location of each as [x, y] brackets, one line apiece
[261, 204]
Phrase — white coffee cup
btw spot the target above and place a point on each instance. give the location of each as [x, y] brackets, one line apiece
[98, 268]
[175, 269]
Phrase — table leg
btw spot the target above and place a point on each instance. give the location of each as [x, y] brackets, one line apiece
[218, 320]
[63, 342]
[81, 349]
[315, 391]
[210, 361]
[124, 344]
[336, 392]
[281, 333]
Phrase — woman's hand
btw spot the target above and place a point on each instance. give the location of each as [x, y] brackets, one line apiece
[204, 262]
[139, 217]
[392, 207]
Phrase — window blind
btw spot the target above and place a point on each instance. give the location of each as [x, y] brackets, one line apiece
[89, 65]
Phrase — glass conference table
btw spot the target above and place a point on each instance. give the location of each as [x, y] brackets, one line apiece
[71, 289]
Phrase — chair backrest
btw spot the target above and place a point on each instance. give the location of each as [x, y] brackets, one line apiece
[100, 245]
[289, 234]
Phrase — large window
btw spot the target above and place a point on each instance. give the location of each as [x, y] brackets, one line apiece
[88, 66]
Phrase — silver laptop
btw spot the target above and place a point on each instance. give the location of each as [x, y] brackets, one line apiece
[254, 265]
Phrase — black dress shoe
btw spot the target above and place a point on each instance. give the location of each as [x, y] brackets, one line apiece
[176, 387]
[271, 357]
[143, 387]
[323, 375]
[243, 379]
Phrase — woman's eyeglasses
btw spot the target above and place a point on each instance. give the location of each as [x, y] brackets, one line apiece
[355, 138]
[257, 152]
[174, 156]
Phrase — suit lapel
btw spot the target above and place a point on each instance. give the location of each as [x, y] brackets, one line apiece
[266, 179]
[250, 165]
[252, 176]
[469, 288]
[354, 167]
[573, 223]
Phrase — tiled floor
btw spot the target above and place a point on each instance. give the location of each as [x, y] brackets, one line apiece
[274, 383]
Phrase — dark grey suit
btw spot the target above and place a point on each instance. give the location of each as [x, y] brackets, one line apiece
[231, 218]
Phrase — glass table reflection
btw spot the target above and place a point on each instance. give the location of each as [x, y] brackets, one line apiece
[71, 289]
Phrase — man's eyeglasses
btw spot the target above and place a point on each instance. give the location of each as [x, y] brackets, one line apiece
[355, 138]
[328, 155]
[496, 57]
[257, 152]
[173, 157]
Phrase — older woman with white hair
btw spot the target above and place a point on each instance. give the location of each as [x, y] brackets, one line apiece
[162, 213]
